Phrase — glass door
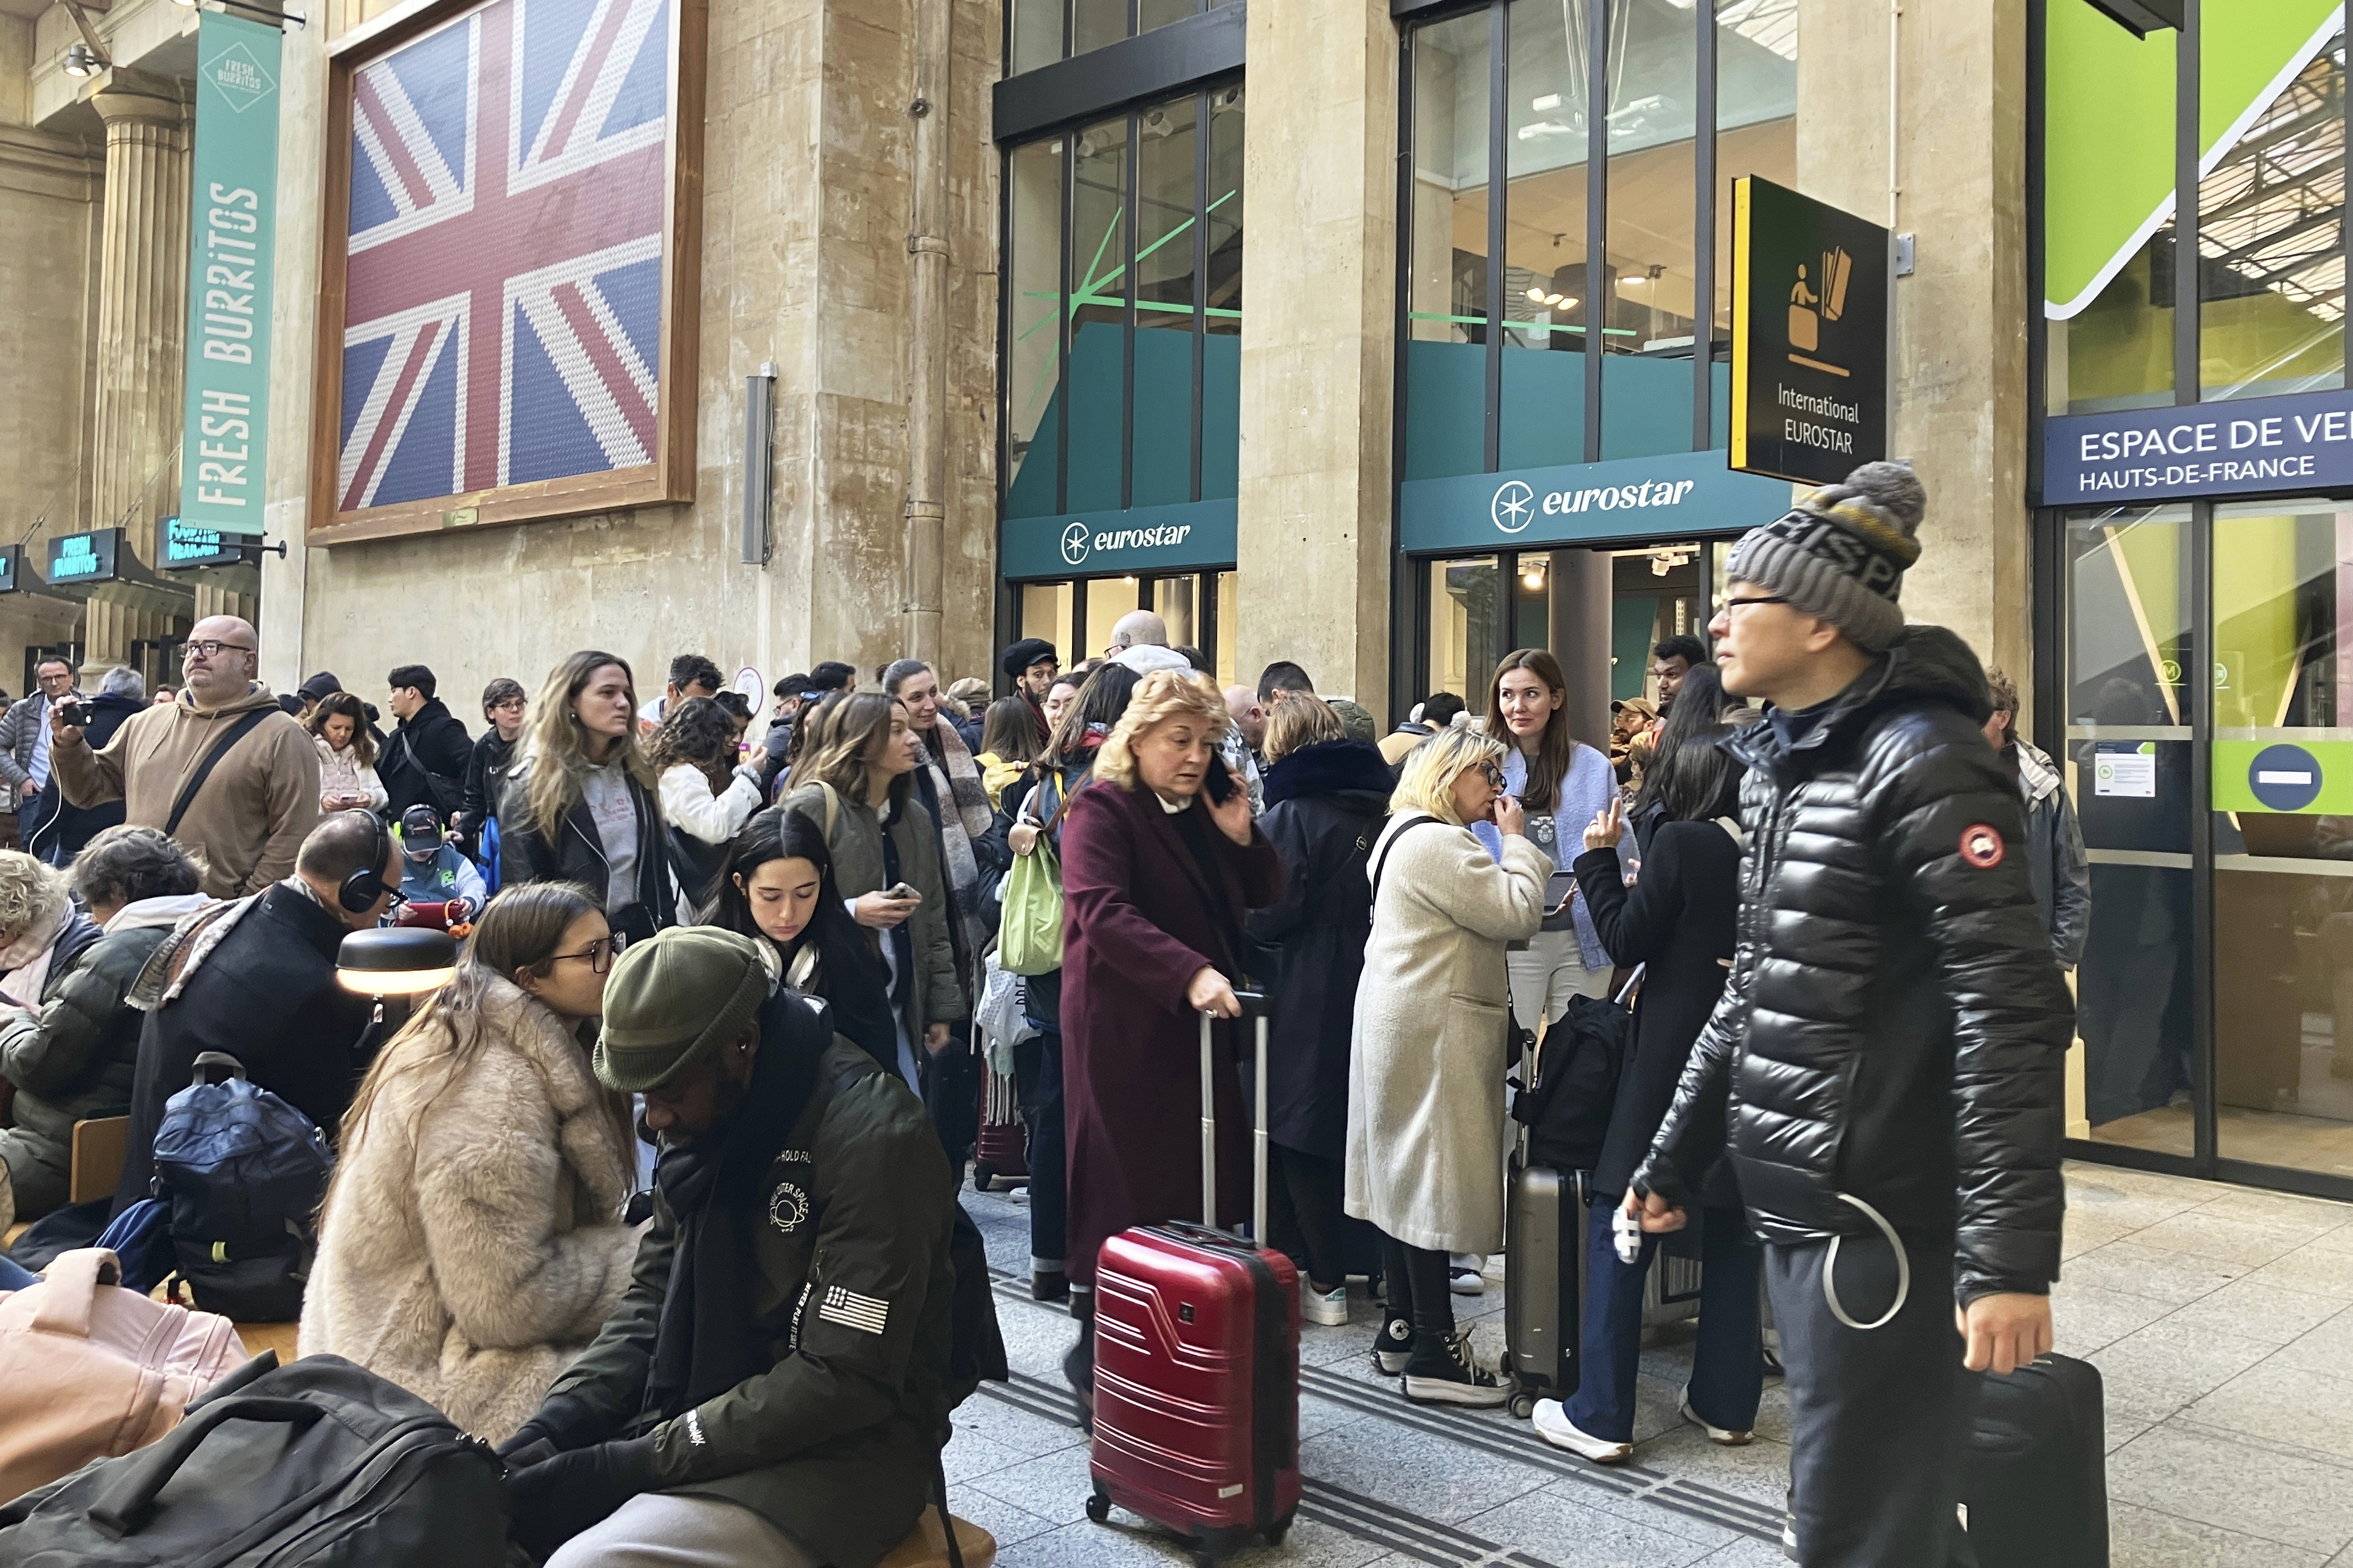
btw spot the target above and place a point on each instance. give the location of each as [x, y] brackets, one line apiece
[2283, 828]
[2128, 768]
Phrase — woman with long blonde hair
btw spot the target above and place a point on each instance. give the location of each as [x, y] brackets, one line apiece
[580, 804]
[1161, 865]
[471, 1243]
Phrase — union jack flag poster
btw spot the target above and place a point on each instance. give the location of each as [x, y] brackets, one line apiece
[503, 265]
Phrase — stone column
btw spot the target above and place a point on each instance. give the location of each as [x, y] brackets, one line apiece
[142, 309]
[1959, 399]
[1318, 349]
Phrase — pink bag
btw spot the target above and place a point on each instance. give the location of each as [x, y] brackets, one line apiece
[90, 1370]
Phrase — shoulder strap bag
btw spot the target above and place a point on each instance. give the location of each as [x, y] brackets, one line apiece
[1030, 919]
[221, 748]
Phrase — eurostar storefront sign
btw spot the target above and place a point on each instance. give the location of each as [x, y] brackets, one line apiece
[1631, 498]
[1191, 536]
[2303, 441]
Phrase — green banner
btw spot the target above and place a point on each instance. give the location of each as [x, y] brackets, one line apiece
[232, 231]
[2108, 123]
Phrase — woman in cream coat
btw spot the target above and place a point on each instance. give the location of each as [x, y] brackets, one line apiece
[471, 1244]
[1425, 1109]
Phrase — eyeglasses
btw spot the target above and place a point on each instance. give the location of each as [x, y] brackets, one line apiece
[1732, 604]
[211, 649]
[599, 954]
[1493, 774]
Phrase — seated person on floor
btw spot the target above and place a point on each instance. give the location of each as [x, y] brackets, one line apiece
[254, 977]
[774, 1389]
[432, 870]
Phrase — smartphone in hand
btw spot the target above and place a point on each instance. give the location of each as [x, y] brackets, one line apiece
[1217, 782]
[904, 893]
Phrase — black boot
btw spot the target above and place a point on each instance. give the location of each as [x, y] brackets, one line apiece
[1079, 1363]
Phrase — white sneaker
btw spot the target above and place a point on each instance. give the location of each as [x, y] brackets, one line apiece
[1329, 1308]
[1554, 1426]
[1724, 1436]
[1464, 1277]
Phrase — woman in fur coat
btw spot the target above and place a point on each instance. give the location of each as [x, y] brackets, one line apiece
[471, 1244]
[1426, 1081]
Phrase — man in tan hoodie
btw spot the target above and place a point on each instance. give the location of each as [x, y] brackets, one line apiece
[260, 800]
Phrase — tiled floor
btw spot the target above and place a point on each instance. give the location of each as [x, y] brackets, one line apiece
[2221, 1318]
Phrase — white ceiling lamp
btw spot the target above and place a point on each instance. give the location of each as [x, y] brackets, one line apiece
[82, 60]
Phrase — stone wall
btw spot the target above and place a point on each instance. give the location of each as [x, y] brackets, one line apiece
[49, 211]
[805, 218]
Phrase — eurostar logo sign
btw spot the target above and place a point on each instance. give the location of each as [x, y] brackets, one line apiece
[1074, 544]
[1514, 507]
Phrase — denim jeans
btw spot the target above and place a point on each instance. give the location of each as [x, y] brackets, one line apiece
[1728, 1374]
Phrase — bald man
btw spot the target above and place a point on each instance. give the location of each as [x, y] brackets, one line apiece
[220, 769]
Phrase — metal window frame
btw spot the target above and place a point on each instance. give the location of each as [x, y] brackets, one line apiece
[1148, 67]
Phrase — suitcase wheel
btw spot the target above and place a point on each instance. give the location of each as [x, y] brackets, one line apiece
[984, 1178]
[1099, 1505]
[1281, 1528]
[1522, 1405]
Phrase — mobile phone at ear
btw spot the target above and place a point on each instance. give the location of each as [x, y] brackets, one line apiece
[1217, 782]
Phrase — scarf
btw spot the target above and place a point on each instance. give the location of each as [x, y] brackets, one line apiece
[964, 816]
[708, 1338]
[26, 959]
[1588, 785]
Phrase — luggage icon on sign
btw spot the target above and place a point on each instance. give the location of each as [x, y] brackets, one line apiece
[1813, 301]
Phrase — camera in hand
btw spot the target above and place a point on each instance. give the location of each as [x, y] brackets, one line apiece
[76, 714]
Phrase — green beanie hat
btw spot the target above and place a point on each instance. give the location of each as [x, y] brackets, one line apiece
[674, 1001]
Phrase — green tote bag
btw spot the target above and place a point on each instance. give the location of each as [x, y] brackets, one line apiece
[1030, 932]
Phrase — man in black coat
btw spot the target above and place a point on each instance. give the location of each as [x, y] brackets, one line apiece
[424, 762]
[1890, 1042]
[256, 979]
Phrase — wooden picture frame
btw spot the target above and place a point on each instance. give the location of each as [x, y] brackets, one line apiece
[668, 475]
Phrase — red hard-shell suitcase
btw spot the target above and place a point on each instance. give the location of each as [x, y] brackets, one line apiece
[1001, 1154]
[1197, 1364]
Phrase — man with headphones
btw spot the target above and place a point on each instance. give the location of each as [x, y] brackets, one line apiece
[256, 978]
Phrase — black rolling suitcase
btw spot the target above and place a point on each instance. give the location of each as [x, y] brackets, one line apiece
[1545, 1234]
[2036, 1486]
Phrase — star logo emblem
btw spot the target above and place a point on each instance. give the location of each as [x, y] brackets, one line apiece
[1074, 544]
[1514, 507]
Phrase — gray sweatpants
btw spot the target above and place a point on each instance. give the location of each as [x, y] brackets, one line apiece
[1879, 1419]
[662, 1530]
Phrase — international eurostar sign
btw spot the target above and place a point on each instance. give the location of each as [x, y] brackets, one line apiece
[1678, 495]
[1190, 536]
[2303, 441]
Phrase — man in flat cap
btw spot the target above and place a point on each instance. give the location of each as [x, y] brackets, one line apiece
[774, 1389]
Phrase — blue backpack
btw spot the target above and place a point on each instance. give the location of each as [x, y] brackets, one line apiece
[241, 1173]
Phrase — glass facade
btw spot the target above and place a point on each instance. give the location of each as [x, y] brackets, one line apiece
[1502, 300]
[1044, 31]
[1121, 355]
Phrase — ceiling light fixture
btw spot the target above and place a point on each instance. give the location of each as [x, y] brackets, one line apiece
[80, 61]
[1538, 295]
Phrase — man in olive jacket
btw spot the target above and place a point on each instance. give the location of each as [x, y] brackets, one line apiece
[1889, 1041]
[773, 1391]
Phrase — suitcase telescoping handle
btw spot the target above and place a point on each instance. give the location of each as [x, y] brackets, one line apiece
[1253, 1007]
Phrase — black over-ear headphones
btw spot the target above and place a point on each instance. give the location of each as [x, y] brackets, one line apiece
[363, 887]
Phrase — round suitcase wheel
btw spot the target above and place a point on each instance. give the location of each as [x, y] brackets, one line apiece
[1277, 1532]
[1099, 1505]
[984, 1178]
[1524, 1406]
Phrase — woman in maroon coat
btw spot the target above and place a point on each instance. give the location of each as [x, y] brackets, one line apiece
[1157, 878]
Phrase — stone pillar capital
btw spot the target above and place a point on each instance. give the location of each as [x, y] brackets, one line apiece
[129, 97]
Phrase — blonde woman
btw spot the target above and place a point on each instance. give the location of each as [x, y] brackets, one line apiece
[855, 783]
[581, 806]
[1425, 1085]
[1161, 865]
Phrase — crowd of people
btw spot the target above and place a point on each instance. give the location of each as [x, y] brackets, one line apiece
[764, 953]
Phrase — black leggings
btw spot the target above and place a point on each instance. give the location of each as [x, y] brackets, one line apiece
[1418, 1287]
[1305, 1216]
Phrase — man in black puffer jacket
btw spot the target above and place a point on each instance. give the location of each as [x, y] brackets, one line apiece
[1886, 1060]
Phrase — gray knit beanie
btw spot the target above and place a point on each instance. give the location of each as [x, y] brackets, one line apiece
[1840, 553]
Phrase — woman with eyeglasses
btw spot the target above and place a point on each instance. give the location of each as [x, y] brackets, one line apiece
[1425, 1155]
[471, 1243]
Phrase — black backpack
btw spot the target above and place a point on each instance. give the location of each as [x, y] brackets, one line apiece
[242, 1174]
[1567, 1110]
[317, 1465]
